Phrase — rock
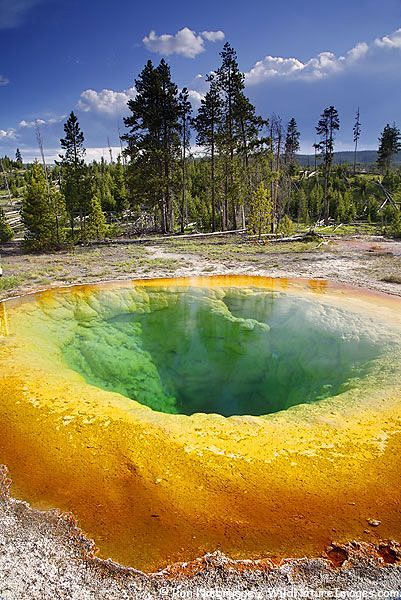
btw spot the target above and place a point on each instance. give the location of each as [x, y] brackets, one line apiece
[374, 522]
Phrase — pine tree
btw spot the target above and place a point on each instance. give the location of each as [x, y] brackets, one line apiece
[286, 227]
[104, 187]
[38, 212]
[389, 146]
[73, 170]
[58, 215]
[349, 205]
[292, 141]
[395, 227]
[326, 128]
[6, 232]
[261, 211]
[250, 142]
[316, 201]
[231, 84]
[302, 207]
[153, 140]
[18, 158]
[357, 134]
[238, 135]
[207, 124]
[119, 189]
[96, 222]
[184, 112]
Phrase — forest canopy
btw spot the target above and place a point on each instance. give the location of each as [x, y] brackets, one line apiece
[221, 167]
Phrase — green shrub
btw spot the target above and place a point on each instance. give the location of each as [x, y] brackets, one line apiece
[395, 226]
[286, 226]
[6, 233]
[9, 282]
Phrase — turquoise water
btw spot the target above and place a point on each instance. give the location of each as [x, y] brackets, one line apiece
[231, 351]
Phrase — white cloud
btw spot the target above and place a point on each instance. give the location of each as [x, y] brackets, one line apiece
[390, 41]
[4, 80]
[195, 97]
[24, 124]
[106, 101]
[98, 153]
[213, 36]
[8, 134]
[319, 67]
[52, 154]
[185, 42]
[357, 52]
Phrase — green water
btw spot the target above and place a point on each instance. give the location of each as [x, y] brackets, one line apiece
[232, 352]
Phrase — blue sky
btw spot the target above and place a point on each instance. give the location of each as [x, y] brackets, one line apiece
[299, 57]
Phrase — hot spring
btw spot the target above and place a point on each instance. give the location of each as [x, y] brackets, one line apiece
[227, 351]
[174, 417]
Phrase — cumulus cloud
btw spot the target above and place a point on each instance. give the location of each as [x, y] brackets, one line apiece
[390, 41]
[185, 42]
[24, 124]
[213, 36]
[113, 103]
[195, 97]
[320, 66]
[8, 134]
[52, 154]
[108, 102]
[357, 52]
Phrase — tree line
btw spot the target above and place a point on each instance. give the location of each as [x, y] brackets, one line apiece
[243, 176]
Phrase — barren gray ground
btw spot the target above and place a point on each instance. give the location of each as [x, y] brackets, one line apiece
[365, 261]
[45, 556]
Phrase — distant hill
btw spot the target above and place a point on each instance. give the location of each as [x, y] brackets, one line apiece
[364, 157]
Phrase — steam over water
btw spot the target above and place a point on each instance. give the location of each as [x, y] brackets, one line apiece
[228, 351]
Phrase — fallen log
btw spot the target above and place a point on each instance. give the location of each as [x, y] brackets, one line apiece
[309, 236]
[161, 238]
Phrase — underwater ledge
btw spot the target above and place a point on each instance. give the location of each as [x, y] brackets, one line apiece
[154, 488]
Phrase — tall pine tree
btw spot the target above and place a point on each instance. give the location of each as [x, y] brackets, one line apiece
[184, 112]
[18, 158]
[230, 83]
[154, 141]
[389, 146]
[239, 131]
[292, 141]
[357, 134]
[73, 171]
[327, 126]
[120, 190]
[207, 124]
[42, 212]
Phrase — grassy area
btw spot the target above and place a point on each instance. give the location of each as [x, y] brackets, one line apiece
[24, 272]
[186, 257]
[10, 282]
[360, 228]
[237, 249]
